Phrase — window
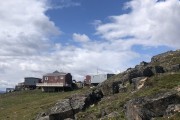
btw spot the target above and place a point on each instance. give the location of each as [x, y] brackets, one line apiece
[61, 77]
[46, 78]
[56, 78]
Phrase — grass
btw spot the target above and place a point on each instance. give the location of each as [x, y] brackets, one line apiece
[154, 85]
[25, 105]
[171, 59]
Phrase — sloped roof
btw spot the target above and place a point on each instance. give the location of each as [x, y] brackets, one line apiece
[31, 78]
[55, 73]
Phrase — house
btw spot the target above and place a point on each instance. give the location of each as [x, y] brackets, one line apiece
[96, 79]
[56, 81]
[30, 82]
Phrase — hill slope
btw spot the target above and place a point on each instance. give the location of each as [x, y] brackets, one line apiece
[162, 75]
[25, 105]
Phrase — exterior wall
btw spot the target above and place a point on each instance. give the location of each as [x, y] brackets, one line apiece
[54, 79]
[98, 78]
[65, 80]
[30, 81]
[87, 81]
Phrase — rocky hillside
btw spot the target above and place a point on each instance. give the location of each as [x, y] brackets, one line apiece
[147, 91]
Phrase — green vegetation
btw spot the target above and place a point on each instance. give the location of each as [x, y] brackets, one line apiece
[25, 105]
[170, 59]
[154, 85]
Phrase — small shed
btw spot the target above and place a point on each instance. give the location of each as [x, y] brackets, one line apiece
[8, 90]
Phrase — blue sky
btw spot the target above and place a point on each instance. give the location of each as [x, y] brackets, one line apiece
[79, 36]
[80, 18]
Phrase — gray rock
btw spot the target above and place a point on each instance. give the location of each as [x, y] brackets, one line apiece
[175, 68]
[149, 107]
[111, 115]
[110, 87]
[172, 109]
[143, 63]
[138, 82]
[44, 118]
[67, 108]
[157, 69]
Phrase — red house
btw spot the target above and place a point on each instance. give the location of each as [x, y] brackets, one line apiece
[56, 81]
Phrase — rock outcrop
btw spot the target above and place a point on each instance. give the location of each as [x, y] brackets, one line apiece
[67, 108]
[172, 109]
[111, 115]
[138, 82]
[115, 86]
[147, 108]
[159, 64]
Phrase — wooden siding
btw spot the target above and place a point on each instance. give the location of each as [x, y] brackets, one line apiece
[58, 80]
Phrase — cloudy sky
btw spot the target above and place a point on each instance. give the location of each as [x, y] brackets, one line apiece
[79, 36]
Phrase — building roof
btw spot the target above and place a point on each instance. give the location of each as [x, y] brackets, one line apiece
[55, 73]
[31, 78]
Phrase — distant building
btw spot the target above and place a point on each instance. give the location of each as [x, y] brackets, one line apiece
[19, 87]
[30, 82]
[87, 80]
[8, 90]
[96, 79]
[79, 84]
[56, 81]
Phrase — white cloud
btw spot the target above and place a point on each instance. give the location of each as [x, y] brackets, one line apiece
[24, 27]
[80, 37]
[149, 23]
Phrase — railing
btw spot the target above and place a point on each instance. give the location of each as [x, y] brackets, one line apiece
[50, 84]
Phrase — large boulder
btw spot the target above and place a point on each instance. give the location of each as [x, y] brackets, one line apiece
[67, 108]
[175, 68]
[112, 87]
[146, 108]
[109, 88]
[172, 109]
[138, 82]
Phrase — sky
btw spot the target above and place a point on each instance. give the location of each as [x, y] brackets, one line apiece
[81, 36]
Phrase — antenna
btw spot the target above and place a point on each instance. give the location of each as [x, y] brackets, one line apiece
[61, 70]
[97, 71]
[62, 67]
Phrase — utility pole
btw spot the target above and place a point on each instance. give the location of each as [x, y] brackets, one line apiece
[97, 71]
